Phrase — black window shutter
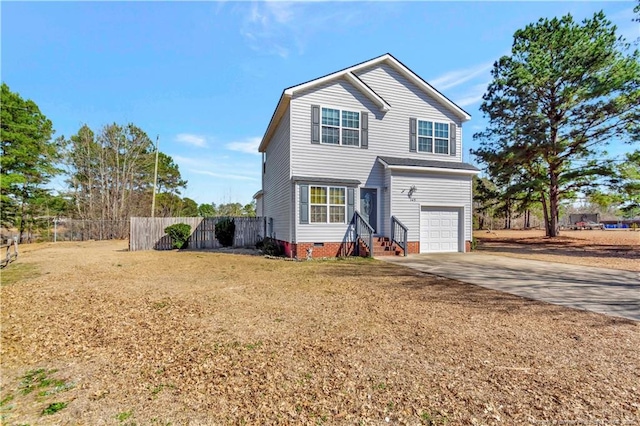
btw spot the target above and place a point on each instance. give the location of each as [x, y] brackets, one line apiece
[452, 138]
[412, 134]
[364, 130]
[315, 123]
[304, 203]
[351, 199]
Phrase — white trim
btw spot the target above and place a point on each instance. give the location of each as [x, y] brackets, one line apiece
[411, 76]
[340, 127]
[285, 98]
[382, 104]
[433, 137]
[406, 72]
[431, 169]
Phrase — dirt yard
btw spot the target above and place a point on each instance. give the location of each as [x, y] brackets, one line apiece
[93, 334]
[605, 249]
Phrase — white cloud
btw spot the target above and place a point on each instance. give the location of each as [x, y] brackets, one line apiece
[225, 175]
[191, 139]
[474, 95]
[248, 146]
[280, 28]
[457, 77]
[191, 162]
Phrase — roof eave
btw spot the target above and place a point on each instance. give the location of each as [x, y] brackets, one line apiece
[278, 113]
[428, 169]
[406, 72]
[434, 169]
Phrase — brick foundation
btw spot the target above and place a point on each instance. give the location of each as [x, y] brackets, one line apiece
[414, 247]
[299, 250]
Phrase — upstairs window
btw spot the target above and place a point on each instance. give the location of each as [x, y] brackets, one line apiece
[340, 127]
[433, 137]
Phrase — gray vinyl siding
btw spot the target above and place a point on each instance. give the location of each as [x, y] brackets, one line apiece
[388, 135]
[277, 181]
[433, 189]
[320, 160]
[391, 135]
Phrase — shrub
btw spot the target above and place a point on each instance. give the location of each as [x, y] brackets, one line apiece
[179, 233]
[225, 231]
[270, 247]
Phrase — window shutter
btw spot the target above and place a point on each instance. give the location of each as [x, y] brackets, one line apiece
[452, 138]
[351, 199]
[364, 130]
[412, 134]
[304, 203]
[315, 123]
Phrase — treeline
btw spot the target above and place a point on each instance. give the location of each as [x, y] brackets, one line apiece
[108, 174]
[567, 91]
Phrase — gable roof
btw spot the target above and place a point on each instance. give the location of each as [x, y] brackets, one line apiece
[349, 75]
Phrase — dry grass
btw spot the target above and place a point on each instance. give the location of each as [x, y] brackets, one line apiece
[206, 338]
[605, 249]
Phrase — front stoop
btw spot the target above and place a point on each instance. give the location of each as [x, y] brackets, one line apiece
[382, 246]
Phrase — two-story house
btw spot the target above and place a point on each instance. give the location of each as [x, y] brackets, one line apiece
[366, 160]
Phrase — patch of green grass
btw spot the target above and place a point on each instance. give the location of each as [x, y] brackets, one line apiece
[59, 386]
[16, 272]
[252, 346]
[32, 379]
[41, 379]
[121, 417]
[159, 388]
[7, 399]
[53, 408]
[161, 304]
[430, 420]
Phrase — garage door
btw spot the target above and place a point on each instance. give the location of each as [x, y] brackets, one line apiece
[439, 229]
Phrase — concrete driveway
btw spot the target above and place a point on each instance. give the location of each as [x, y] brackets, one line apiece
[607, 291]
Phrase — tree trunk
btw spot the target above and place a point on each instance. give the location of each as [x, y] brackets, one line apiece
[545, 211]
[554, 229]
[22, 212]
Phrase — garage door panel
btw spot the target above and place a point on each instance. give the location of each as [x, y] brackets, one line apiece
[440, 229]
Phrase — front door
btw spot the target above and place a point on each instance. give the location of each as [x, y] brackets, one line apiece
[369, 206]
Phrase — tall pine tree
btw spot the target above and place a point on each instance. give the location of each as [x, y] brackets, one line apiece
[565, 92]
[28, 158]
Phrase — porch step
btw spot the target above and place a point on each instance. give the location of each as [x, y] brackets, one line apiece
[382, 246]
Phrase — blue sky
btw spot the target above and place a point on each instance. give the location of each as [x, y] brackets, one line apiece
[206, 76]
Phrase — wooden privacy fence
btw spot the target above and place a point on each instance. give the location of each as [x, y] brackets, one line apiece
[147, 233]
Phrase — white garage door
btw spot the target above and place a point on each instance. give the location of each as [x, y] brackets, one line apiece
[439, 229]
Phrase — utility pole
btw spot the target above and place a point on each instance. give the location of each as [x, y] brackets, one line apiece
[155, 179]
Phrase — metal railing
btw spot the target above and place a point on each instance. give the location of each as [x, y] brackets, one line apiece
[399, 234]
[364, 233]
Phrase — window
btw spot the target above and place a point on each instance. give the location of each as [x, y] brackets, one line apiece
[327, 204]
[433, 137]
[340, 127]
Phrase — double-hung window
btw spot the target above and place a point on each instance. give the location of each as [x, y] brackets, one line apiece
[433, 137]
[340, 127]
[327, 204]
